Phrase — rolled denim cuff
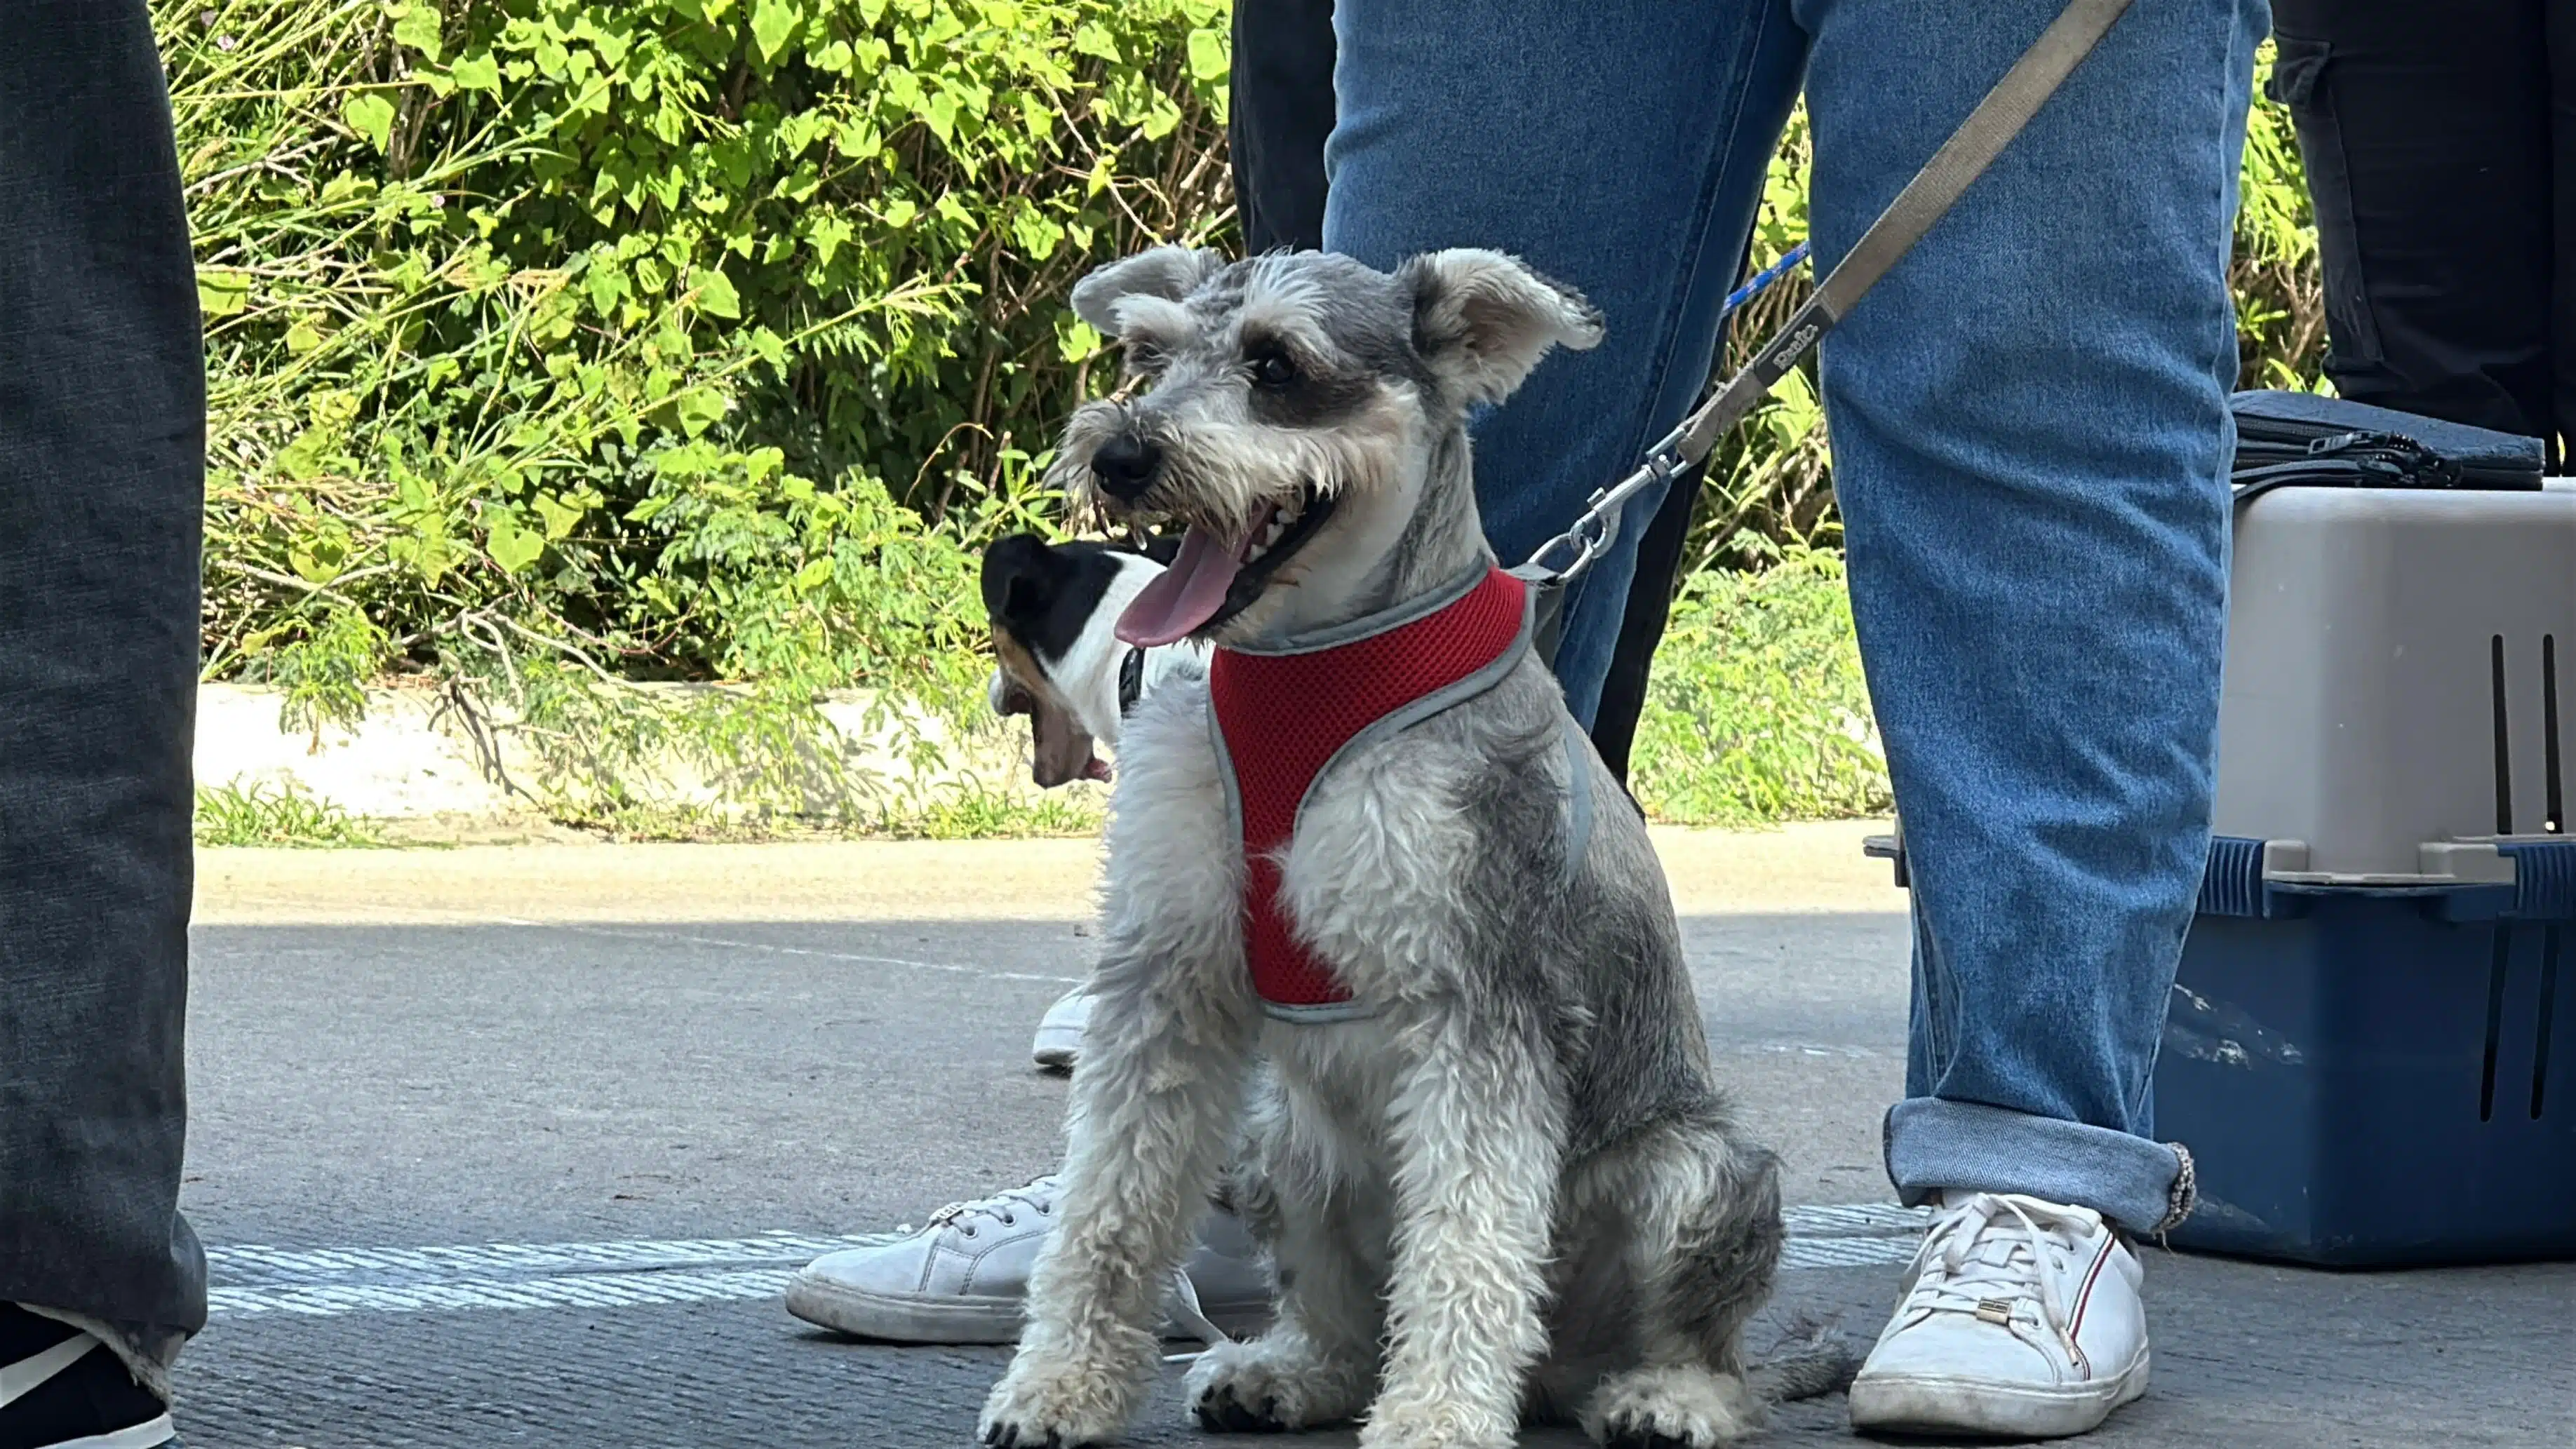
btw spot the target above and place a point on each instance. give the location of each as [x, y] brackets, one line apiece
[1935, 1145]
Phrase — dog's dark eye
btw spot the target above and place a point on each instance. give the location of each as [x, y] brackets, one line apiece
[1272, 369]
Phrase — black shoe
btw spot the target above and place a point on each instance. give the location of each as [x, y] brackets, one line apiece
[62, 1389]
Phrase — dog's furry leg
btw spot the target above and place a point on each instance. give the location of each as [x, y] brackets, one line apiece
[1154, 1105]
[1477, 1138]
[1153, 1113]
[1701, 1212]
[1318, 1362]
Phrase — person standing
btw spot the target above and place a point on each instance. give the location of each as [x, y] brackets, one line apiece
[2031, 440]
[2440, 143]
[102, 441]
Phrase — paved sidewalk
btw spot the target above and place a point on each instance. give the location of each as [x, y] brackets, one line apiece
[660, 1076]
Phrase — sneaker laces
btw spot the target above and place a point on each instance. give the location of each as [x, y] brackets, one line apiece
[1038, 1195]
[1982, 1256]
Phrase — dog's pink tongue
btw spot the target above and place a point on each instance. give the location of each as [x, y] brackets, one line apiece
[1184, 596]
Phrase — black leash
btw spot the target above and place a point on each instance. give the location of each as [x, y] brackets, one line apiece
[1927, 198]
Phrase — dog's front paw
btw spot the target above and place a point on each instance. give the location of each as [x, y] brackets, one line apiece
[1683, 1407]
[1046, 1402]
[1431, 1424]
[1267, 1387]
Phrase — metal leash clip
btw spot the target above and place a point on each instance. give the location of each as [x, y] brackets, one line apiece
[1598, 526]
[1590, 538]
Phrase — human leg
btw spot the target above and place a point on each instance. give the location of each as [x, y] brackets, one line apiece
[2562, 197]
[2427, 135]
[1649, 609]
[1618, 148]
[101, 442]
[2031, 440]
[1283, 110]
[1622, 702]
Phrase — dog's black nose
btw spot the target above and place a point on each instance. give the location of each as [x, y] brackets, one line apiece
[1125, 466]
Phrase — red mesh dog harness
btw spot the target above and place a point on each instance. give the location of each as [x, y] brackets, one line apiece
[1282, 717]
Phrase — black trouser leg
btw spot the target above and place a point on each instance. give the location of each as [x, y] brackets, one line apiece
[2440, 180]
[1641, 628]
[1283, 110]
[1650, 607]
[102, 439]
[2562, 191]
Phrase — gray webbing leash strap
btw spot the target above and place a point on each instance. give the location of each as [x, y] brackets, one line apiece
[1925, 200]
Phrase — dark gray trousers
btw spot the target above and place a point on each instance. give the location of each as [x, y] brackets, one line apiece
[1283, 111]
[102, 441]
[2441, 149]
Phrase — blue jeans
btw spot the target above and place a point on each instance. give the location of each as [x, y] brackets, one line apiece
[2030, 429]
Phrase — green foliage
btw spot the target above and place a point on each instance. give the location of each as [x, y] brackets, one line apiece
[979, 814]
[2280, 292]
[574, 342]
[324, 679]
[1756, 710]
[257, 814]
[560, 347]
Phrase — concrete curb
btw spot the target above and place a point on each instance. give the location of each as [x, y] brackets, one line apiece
[411, 760]
[410, 764]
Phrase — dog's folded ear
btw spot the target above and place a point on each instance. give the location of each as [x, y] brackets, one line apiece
[1166, 272]
[1482, 320]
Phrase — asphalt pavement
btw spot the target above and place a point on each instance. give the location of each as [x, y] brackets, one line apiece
[499, 1148]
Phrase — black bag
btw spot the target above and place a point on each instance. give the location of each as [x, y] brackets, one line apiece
[2299, 438]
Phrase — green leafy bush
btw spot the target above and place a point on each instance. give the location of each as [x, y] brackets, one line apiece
[554, 345]
[559, 346]
[1756, 710]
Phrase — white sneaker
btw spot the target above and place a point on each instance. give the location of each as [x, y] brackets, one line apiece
[1059, 1038]
[2020, 1318]
[964, 1277]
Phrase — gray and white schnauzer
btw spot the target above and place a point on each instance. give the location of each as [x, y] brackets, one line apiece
[1497, 1178]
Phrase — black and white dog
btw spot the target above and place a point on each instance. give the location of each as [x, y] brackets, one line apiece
[1054, 608]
